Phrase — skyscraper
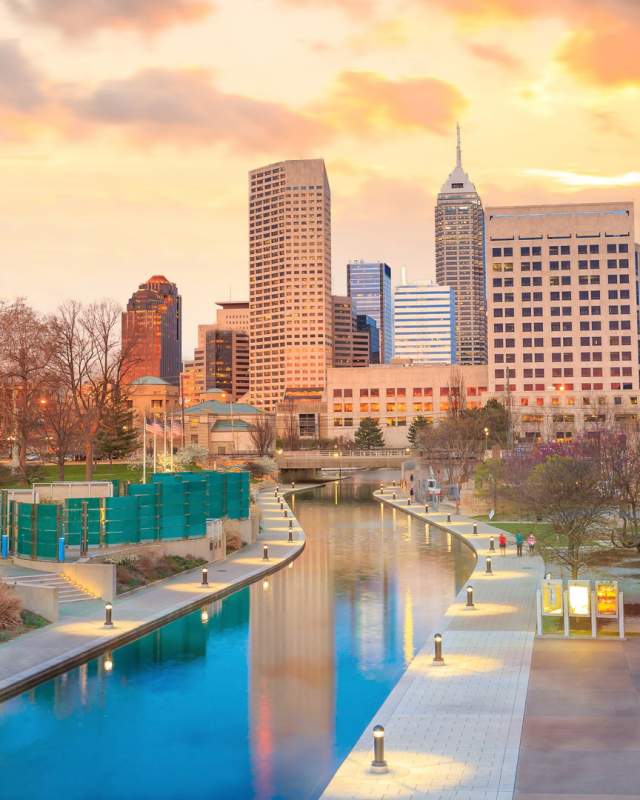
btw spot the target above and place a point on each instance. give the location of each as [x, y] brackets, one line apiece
[424, 317]
[369, 287]
[350, 343]
[460, 259]
[563, 313]
[152, 331]
[291, 343]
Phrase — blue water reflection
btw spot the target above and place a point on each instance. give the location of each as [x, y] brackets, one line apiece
[264, 694]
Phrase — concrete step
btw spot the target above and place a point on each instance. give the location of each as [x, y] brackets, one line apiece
[68, 592]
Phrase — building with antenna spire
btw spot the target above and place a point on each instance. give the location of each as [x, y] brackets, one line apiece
[460, 261]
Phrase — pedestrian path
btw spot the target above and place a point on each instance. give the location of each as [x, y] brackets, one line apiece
[452, 732]
[30, 658]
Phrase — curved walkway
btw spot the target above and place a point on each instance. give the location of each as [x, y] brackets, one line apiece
[37, 655]
[453, 732]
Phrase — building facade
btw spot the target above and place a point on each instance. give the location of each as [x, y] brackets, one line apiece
[396, 395]
[459, 228]
[350, 344]
[291, 344]
[233, 315]
[152, 331]
[424, 323]
[563, 316]
[369, 287]
[366, 324]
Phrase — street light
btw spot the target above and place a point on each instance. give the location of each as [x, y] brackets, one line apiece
[486, 438]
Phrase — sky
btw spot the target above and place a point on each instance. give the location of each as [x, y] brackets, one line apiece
[128, 127]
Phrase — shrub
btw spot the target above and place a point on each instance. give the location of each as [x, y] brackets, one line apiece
[9, 608]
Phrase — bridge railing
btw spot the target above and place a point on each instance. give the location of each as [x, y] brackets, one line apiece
[313, 454]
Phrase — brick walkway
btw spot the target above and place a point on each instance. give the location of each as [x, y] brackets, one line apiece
[581, 734]
[453, 732]
[30, 658]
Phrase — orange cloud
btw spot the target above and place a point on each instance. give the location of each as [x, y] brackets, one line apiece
[606, 54]
[83, 17]
[185, 106]
[356, 8]
[494, 54]
[21, 85]
[365, 101]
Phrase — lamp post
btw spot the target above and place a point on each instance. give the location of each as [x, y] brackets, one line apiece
[378, 764]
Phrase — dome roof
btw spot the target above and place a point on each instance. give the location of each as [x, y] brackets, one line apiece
[150, 380]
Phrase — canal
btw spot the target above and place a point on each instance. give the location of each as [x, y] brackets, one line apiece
[261, 695]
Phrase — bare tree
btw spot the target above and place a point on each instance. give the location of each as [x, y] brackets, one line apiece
[90, 363]
[263, 434]
[26, 350]
[60, 424]
[457, 393]
[568, 493]
[291, 433]
[454, 447]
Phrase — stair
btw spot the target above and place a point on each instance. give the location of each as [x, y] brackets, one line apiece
[68, 592]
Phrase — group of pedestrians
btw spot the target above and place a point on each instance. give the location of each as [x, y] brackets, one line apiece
[531, 543]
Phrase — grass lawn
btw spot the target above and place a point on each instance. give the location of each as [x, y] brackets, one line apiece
[538, 529]
[101, 472]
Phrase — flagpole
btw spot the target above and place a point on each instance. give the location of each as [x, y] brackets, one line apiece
[164, 446]
[144, 449]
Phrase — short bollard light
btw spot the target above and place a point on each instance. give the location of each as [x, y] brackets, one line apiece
[293, 484]
[492, 543]
[286, 513]
[448, 517]
[393, 483]
[475, 528]
[408, 501]
[378, 764]
[265, 553]
[438, 660]
[205, 577]
[290, 533]
[426, 508]
[108, 615]
[382, 488]
[108, 662]
[394, 495]
[470, 597]
[275, 494]
[488, 568]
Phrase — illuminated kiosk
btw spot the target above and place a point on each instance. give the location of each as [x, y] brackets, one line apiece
[579, 600]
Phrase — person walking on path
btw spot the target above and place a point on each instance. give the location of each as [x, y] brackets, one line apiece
[519, 543]
[502, 541]
[531, 541]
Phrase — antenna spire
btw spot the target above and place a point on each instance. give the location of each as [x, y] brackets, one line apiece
[458, 147]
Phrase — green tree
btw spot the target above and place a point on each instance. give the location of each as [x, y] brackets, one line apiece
[416, 426]
[117, 436]
[369, 435]
[490, 480]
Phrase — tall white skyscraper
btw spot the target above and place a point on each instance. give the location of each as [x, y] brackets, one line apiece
[424, 328]
[460, 260]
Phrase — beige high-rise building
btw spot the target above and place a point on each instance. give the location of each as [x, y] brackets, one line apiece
[233, 315]
[460, 260]
[291, 344]
[350, 345]
[562, 315]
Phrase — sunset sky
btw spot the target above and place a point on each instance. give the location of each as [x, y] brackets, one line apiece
[127, 127]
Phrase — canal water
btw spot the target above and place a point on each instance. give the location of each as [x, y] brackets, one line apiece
[263, 694]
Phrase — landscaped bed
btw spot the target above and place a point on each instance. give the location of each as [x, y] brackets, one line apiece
[131, 573]
[15, 620]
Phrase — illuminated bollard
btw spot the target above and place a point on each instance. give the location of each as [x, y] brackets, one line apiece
[265, 553]
[470, 597]
[205, 577]
[492, 543]
[448, 517]
[286, 513]
[290, 533]
[293, 484]
[395, 496]
[393, 483]
[378, 764]
[408, 501]
[475, 528]
[438, 660]
[488, 568]
[108, 618]
[382, 488]
[426, 508]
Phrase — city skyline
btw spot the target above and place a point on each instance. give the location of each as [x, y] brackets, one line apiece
[90, 164]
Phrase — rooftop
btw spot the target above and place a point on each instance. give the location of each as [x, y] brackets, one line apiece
[150, 380]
